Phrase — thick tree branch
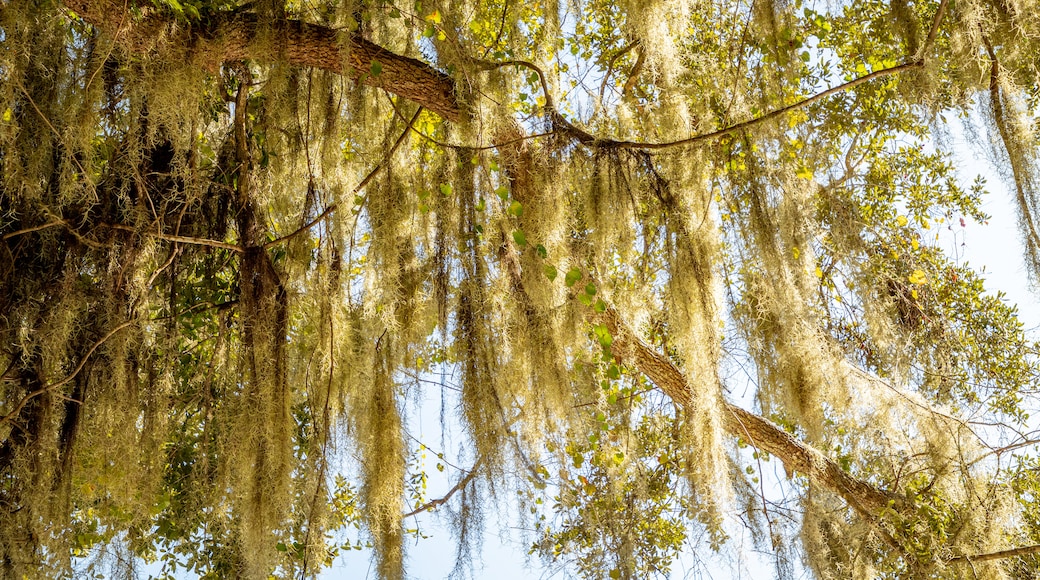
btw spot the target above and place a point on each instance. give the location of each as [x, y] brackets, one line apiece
[235, 35]
[866, 499]
[231, 36]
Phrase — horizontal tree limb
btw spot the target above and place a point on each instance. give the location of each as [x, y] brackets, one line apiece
[233, 36]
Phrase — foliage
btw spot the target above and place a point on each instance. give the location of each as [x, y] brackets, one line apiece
[241, 242]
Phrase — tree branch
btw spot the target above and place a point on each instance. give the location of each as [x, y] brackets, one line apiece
[234, 35]
[174, 238]
[869, 501]
[50, 387]
[432, 504]
[1003, 554]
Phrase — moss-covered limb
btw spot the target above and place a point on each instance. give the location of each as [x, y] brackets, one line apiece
[236, 35]
[1001, 555]
[866, 499]
[232, 36]
[51, 387]
[1020, 158]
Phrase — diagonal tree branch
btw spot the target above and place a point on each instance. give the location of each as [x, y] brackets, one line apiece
[462, 483]
[869, 501]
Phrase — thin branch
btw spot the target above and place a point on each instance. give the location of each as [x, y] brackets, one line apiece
[83, 361]
[182, 239]
[588, 139]
[32, 229]
[610, 67]
[1003, 554]
[633, 74]
[462, 483]
[488, 66]
[50, 126]
[364, 182]
[915, 61]
[933, 32]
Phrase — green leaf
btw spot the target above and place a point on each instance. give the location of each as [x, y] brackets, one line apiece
[541, 251]
[600, 306]
[573, 275]
[502, 192]
[377, 68]
[520, 238]
[550, 271]
[590, 289]
[515, 208]
[445, 189]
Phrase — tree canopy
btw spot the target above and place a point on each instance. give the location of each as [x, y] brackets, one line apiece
[637, 249]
